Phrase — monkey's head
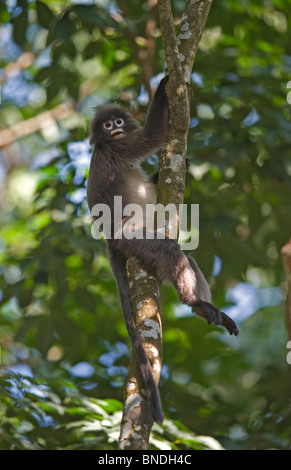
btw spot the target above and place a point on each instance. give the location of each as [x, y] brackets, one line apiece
[111, 123]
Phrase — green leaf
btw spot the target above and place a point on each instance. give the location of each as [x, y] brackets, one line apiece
[65, 27]
[19, 21]
[89, 14]
[44, 14]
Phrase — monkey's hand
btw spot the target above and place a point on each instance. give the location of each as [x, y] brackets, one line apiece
[156, 128]
[163, 82]
[160, 94]
[214, 315]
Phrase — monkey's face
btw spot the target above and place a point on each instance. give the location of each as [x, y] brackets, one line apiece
[111, 123]
[115, 128]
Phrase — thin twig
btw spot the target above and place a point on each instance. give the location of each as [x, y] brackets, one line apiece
[34, 124]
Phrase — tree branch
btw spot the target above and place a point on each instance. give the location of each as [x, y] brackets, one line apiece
[180, 54]
[144, 285]
[145, 297]
[34, 124]
[286, 259]
[190, 33]
[170, 42]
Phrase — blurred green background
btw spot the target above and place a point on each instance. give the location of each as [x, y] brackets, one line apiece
[64, 346]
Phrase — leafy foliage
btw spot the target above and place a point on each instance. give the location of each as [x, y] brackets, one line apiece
[64, 347]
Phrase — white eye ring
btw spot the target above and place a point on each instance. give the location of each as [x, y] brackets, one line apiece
[119, 122]
[108, 125]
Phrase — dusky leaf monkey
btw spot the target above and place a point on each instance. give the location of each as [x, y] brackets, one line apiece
[119, 145]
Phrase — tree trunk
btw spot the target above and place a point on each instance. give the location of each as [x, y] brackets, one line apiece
[286, 258]
[144, 286]
[145, 297]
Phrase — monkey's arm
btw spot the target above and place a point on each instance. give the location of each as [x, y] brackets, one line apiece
[157, 119]
[153, 135]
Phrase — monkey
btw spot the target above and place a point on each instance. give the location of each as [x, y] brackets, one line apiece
[119, 144]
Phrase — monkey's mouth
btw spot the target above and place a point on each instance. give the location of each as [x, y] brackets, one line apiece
[117, 134]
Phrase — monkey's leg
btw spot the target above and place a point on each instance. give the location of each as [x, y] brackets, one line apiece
[205, 309]
[170, 262]
[214, 315]
[118, 265]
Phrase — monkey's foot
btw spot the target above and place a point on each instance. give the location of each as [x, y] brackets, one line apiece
[214, 315]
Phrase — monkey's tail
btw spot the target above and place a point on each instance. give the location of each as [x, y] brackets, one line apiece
[118, 264]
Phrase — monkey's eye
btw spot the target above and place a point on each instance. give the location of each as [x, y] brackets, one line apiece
[108, 125]
[119, 122]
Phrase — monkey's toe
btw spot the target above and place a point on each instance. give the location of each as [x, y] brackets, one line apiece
[213, 315]
[229, 324]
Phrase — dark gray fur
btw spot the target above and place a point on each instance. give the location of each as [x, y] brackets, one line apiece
[114, 170]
